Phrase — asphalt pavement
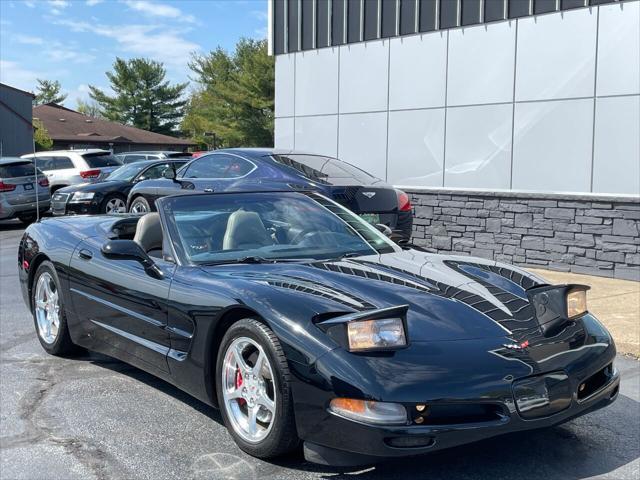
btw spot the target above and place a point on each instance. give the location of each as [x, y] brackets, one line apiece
[96, 417]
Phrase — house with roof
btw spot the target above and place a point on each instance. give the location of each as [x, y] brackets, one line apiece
[71, 130]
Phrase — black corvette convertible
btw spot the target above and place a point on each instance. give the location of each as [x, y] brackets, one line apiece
[304, 324]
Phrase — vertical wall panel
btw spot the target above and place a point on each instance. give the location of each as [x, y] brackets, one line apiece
[337, 21]
[285, 78]
[389, 18]
[354, 12]
[371, 19]
[283, 133]
[292, 22]
[544, 6]
[428, 15]
[471, 12]
[308, 24]
[408, 16]
[278, 26]
[323, 17]
[518, 8]
[494, 10]
[449, 13]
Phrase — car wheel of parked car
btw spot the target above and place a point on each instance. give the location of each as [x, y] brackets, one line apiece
[254, 390]
[49, 313]
[140, 205]
[28, 219]
[114, 204]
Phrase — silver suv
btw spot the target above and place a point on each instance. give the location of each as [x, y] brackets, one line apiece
[70, 167]
[18, 187]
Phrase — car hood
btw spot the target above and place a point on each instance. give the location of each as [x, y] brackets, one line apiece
[449, 297]
[93, 187]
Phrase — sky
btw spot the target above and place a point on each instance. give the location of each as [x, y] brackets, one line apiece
[77, 41]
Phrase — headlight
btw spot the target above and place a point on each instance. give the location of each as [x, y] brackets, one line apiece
[82, 196]
[576, 302]
[380, 413]
[376, 334]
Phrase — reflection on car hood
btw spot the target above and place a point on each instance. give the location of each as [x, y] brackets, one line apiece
[449, 297]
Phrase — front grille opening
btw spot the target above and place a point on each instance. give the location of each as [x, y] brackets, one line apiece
[595, 382]
[414, 441]
[453, 414]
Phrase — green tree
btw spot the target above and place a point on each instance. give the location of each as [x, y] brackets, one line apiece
[90, 108]
[234, 97]
[143, 98]
[41, 136]
[49, 92]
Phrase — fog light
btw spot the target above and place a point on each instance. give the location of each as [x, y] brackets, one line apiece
[410, 442]
[418, 420]
[380, 413]
[421, 408]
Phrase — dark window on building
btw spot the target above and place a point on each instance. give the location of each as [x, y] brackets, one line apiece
[278, 26]
[494, 10]
[407, 17]
[389, 18]
[544, 6]
[600, 2]
[322, 21]
[567, 4]
[337, 22]
[471, 13]
[307, 25]
[448, 13]
[353, 20]
[371, 17]
[427, 12]
[518, 8]
[292, 21]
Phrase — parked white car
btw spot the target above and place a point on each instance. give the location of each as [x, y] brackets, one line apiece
[70, 167]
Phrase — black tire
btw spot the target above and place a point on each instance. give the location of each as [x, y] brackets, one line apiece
[142, 202]
[28, 219]
[63, 345]
[108, 198]
[283, 437]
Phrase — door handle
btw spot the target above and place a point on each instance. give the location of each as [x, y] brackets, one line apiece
[85, 254]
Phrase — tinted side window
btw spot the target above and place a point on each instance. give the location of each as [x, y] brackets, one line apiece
[324, 169]
[60, 163]
[99, 160]
[154, 172]
[134, 158]
[44, 163]
[219, 166]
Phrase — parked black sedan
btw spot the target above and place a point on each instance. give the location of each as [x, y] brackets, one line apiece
[302, 322]
[359, 191]
[110, 194]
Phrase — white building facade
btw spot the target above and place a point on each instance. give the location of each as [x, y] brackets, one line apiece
[518, 102]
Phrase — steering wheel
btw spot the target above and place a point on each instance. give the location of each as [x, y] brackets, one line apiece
[300, 236]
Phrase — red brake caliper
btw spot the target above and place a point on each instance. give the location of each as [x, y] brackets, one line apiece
[241, 401]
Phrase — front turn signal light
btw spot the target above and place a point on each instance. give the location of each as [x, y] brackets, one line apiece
[367, 411]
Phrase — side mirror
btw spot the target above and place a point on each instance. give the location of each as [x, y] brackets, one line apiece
[169, 173]
[130, 250]
[386, 231]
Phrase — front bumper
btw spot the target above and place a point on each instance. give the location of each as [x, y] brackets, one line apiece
[344, 442]
[63, 204]
[465, 375]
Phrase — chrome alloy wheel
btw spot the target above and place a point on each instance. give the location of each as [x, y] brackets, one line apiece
[139, 207]
[47, 307]
[248, 389]
[116, 205]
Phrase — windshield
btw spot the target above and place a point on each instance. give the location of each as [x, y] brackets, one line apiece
[127, 172]
[268, 226]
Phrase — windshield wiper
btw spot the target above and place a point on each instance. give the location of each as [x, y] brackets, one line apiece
[255, 259]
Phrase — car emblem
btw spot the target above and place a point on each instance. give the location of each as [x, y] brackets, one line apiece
[369, 194]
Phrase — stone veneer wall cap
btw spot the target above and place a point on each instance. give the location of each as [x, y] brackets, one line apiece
[594, 197]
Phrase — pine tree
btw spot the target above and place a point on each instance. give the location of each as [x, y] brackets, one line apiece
[143, 98]
[234, 98]
[49, 92]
